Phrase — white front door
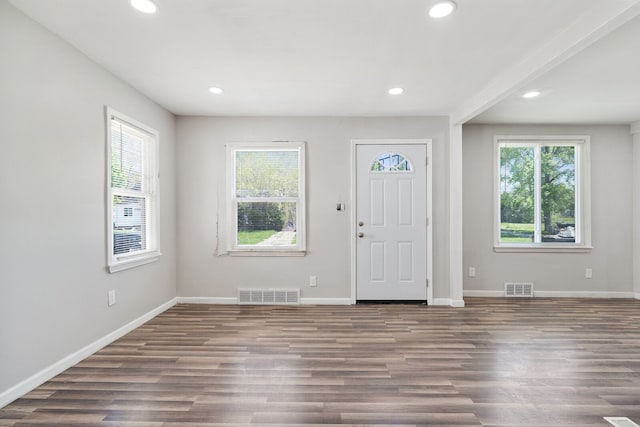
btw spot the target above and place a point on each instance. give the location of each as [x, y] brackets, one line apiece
[391, 216]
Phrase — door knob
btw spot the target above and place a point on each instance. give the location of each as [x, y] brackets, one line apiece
[360, 223]
[360, 235]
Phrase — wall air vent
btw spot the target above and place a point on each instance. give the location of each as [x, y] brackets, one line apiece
[518, 289]
[268, 296]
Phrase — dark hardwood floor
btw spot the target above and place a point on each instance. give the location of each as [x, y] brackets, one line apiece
[497, 362]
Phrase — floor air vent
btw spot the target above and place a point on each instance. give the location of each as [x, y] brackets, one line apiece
[518, 289]
[621, 422]
[268, 296]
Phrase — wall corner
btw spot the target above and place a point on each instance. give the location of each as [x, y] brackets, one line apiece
[635, 133]
[455, 214]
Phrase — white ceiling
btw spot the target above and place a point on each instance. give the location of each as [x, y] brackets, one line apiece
[339, 57]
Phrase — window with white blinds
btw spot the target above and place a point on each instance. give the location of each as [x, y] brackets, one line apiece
[133, 192]
[266, 198]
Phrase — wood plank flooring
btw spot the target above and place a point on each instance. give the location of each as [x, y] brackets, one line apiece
[497, 362]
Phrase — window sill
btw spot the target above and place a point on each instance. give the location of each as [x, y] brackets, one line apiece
[128, 263]
[266, 253]
[542, 248]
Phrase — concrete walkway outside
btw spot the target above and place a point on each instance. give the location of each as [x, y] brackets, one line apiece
[281, 238]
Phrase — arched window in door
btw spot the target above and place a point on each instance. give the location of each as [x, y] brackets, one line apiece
[391, 162]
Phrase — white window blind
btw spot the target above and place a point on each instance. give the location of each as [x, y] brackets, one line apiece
[133, 189]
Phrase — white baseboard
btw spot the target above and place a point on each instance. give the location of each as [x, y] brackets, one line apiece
[554, 294]
[476, 293]
[326, 301]
[637, 295]
[207, 300]
[304, 301]
[448, 301]
[60, 366]
[582, 294]
[234, 300]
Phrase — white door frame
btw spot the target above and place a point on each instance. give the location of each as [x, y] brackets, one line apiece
[352, 227]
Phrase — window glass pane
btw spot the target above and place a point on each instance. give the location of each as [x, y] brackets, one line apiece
[558, 194]
[129, 224]
[267, 173]
[390, 162]
[126, 158]
[267, 224]
[517, 195]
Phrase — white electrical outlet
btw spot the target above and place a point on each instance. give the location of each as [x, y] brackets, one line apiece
[472, 272]
[112, 297]
[588, 273]
[313, 280]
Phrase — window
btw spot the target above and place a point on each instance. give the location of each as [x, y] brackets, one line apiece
[391, 162]
[266, 198]
[542, 193]
[132, 192]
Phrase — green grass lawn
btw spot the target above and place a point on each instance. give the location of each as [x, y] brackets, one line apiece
[509, 228]
[517, 227]
[253, 237]
[507, 239]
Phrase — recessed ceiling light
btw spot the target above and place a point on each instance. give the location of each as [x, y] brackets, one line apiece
[144, 6]
[396, 91]
[215, 90]
[442, 8]
[531, 94]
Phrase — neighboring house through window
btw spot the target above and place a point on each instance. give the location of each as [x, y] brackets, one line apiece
[266, 200]
[132, 192]
[542, 188]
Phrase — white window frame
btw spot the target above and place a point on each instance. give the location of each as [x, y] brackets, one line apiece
[151, 195]
[232, 201]
[583, 192]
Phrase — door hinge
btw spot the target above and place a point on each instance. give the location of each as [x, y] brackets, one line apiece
[426, 161]
[427, 282]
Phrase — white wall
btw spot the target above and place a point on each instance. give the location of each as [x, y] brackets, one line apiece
[635, 133]
[53, 281]
[201, 192]
[560, 274]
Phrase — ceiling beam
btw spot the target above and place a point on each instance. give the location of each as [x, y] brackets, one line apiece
[589, 27]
